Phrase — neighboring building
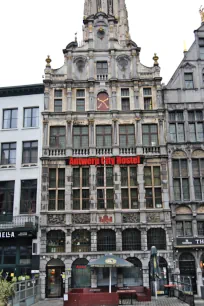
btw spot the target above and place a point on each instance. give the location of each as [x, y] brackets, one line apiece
[185, 136]
[104, 162]
[20, 177]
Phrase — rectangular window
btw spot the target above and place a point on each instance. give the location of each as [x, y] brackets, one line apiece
[8, 153]
[198, 178]
[80, 188]
[195, 123]
[10, 117]
[6, 200]
[152, 179]
[184, 228]
[200, 225]
[150, 134]
[102, 70]
[56, 189]
[105, 192]
[129, 189]
[31, 117]
[57, 137]
[125, 99]
[58, 93]
[80, 100]
[9, 255]
[103, 136]
[202, 52]
[181, 180]
[28, 196]
[57, 105]
[176, 126]
[127, 136]
[30, 152]
[80, 137]
[188, 77]
[147, 93]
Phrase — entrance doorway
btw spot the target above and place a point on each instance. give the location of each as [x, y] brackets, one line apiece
[188, 268]
[81, 274]
[54, 280]
[133, 276]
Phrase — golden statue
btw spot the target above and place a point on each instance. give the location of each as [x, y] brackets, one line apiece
[201, 11]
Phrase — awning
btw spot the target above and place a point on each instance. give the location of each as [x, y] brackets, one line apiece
[110, 261]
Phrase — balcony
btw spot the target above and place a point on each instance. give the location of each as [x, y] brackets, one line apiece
[54, 152]
[102, 77]
[127, 151]
[80, 152]
[104, 151]
[155, 150]
[22, 221]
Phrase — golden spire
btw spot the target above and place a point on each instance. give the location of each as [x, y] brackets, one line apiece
[201, 11]
[155, 58]
[48, 61]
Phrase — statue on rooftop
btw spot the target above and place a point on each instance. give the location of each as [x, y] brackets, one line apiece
[201, 11]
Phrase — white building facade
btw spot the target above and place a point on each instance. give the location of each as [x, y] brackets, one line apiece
[20, 177]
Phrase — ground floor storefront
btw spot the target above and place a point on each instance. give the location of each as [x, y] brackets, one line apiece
[60, 274]
[16, 254]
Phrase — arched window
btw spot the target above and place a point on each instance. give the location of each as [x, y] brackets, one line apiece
[156, 237]
[106, 240]
[131, 239]
[81, 274]
[56, 242]
[81, 241]
[133, 276]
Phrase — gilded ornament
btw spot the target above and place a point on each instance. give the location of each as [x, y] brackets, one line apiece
[155, 58]
[201, 11]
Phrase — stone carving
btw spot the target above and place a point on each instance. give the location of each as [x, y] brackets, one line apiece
[152, 217]
[123, 61]
[80, 63]
[81, 219]
[179, 154]
[198, 153]
[201, 210]
[56, 219]
[131, 218]
[183, 210]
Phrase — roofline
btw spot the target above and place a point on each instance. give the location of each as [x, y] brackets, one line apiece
[21, 90]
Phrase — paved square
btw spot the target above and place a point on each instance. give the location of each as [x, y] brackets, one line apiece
[162, 301]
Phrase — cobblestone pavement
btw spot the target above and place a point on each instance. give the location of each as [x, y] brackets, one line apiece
[163, 301]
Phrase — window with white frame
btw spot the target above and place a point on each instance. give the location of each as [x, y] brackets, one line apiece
[198, 178]
[80, 188]
[147, 94]
[80, 100]
[105, 191]
[184, 228]
[10, 117]
[58, 101]
[31, 117]
[176, 126]
[129, 191]
[56, 189]
[125, 99]
[195, 123]
[30, 152]
[188, 78]
[152, 181]
[8, 153]
[180, 180]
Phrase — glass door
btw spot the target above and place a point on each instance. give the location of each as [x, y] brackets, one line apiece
[54, 282]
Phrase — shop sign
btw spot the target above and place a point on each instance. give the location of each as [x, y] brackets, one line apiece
[106, 219]
[97, 161]
[80, 267]
[186, 242]
[110, 261]
[7, 235]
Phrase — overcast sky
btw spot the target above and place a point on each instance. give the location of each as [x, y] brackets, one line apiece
[32, 29]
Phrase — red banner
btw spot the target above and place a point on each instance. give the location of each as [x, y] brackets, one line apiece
[97, 161]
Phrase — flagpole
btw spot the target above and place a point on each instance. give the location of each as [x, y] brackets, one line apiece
[105, 201]
[110, 276]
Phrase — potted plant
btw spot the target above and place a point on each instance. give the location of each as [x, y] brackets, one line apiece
[6, 291]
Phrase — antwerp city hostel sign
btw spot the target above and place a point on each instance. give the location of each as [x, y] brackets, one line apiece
[97, 161]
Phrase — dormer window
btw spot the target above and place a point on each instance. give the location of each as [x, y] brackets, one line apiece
[188, 77]
[201, 46]
[147, 93]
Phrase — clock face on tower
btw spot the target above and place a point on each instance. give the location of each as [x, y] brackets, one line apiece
[103, 101]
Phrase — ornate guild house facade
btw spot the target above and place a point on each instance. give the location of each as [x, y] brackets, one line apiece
[104, 163]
